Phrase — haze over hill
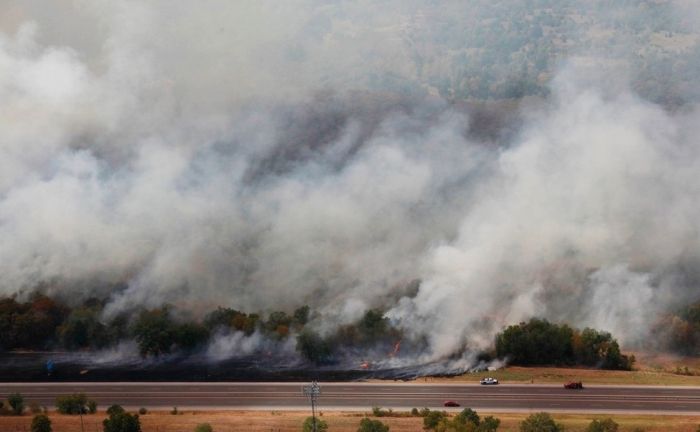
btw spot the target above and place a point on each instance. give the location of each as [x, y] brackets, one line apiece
[462, 165]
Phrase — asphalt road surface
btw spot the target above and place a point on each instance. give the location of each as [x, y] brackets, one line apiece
[363, 396]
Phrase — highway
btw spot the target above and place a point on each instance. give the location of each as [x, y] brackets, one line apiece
[362, 396]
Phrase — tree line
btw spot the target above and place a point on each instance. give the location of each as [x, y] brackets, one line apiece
[45, 323]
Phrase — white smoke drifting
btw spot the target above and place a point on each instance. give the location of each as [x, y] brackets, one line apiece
[266, 155]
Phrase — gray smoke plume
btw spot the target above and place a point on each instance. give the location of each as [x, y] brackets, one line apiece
[265, 155]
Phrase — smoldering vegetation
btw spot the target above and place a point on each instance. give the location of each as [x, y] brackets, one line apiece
[459, 167]
[162, 342]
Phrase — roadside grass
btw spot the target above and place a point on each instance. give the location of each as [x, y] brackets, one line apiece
[650, 369]
[553, 375]
[288, 421]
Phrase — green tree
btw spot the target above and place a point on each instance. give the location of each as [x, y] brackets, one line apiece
[16, 402]
[489, 424]
[204, 427]
[540, 422]
[154, 331]
[191, 335]
[313, 347]
[433, 418]
[369, 425]
[82, 329]
[308, 426]
[76, 403]
[604, 425]
[122, 422]
[41, 423]
[468, 415]
[593, 347]
[114, 410]
[373, 326]
[536, 342]
[221, 318]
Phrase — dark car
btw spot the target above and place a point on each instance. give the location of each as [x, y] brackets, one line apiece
[574, 385]
[451, 404]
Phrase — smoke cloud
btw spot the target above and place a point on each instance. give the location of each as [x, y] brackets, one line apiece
[263, 156]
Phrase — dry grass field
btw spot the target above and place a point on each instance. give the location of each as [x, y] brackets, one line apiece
[285, 421]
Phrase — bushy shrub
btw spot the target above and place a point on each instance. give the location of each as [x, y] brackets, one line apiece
[41, 423]
[122, 422]
[379, 412]
[114, 410]
[203, 427]
[368, 425]
[604, 425]
[76, 403]
[540, 422]
[433, 418]
[16, 402]
[308, 426]
[468, 415]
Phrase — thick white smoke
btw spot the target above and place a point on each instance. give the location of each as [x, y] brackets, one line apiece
[264, 155]
[594, 182]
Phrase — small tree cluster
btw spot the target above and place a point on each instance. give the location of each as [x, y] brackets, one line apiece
[372, 330]
[679, 331]
[539, 342]
[31, 324]
[156, 332]
[466, 421]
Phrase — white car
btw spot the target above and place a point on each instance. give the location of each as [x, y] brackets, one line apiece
[489, 381]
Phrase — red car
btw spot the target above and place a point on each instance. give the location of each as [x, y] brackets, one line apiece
[451, 404]
[574, 385]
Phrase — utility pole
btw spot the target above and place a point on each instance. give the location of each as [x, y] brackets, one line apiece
[312, 391]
